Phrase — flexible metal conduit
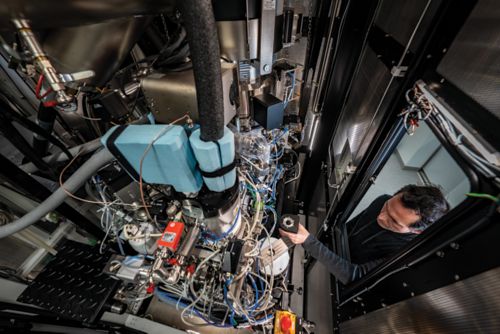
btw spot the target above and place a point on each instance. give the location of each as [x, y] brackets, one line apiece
[203, 42]
[76, 180]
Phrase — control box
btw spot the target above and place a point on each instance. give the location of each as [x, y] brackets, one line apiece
[171, 236]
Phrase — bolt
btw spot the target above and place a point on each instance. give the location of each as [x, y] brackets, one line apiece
[454, 245]
[405, 284]
[456, 277]
[266, 67]
[440, 253]
[383, 305]
[412, 294]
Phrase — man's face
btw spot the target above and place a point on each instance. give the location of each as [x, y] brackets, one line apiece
[395, 217]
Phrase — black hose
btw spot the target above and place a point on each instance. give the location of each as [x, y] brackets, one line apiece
[45, 119]
[203, 42]
[7, 108]
[17, 140]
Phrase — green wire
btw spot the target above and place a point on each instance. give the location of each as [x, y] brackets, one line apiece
[486, 196]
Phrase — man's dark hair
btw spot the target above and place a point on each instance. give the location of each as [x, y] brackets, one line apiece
[427, 201]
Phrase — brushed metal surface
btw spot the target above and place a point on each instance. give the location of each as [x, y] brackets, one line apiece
[468, 306]
[234, 43]
[267, 22]
[173, 94]
[56, 13]
[472, 62]
[99, 47]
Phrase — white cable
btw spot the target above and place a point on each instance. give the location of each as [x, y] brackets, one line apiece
[298, 174]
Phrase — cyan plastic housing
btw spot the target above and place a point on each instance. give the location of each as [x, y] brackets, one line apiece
[170, 161]
[213, 156]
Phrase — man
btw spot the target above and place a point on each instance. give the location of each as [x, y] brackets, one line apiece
[380, 230]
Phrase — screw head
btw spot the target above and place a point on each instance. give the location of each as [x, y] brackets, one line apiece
[440, 253]
[266, 67]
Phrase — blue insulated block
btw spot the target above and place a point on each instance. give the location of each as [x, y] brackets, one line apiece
[170, 160]
[213, 156]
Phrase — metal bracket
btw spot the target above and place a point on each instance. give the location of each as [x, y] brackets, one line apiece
[399, 71]
[77, 76]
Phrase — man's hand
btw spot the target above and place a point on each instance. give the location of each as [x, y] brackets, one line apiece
[297, 238]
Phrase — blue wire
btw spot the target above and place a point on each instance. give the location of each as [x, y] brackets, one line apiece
[256, 293]
[231, 316]
[166, 298]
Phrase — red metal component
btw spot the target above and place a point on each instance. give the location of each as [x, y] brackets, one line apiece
[172, 261]
[191, 268]
[172, 235]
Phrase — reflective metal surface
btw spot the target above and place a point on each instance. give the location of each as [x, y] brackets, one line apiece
[468, 306]
[40, 58]
[173, 94]
[234, 44]
[472, 62]
[167, 314]
[55, 13]
[268, 18]
[226, 223]
[99, 47]
[358, 123]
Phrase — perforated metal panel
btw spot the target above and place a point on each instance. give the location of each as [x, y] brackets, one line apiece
[473, 60]
[72, 284]
[468, 306]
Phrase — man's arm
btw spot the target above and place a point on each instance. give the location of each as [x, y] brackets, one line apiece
[343, 270]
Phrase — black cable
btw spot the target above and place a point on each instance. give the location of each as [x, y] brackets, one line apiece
[17, 140]
[32, 126]
[87, 116]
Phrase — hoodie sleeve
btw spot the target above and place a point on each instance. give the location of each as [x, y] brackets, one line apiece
[342, 269]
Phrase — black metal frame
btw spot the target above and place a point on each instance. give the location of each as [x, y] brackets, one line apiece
[341, 72]
[379, 287]
[19, 178]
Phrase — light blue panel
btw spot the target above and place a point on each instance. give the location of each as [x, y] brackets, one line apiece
[212, 157]
[169, 161]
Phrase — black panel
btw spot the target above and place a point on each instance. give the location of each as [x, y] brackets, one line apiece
[469, 306]
[473, 60]
[357, 123]
[235, 10]
[354, 29]
[398, 18]
[73, 284]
